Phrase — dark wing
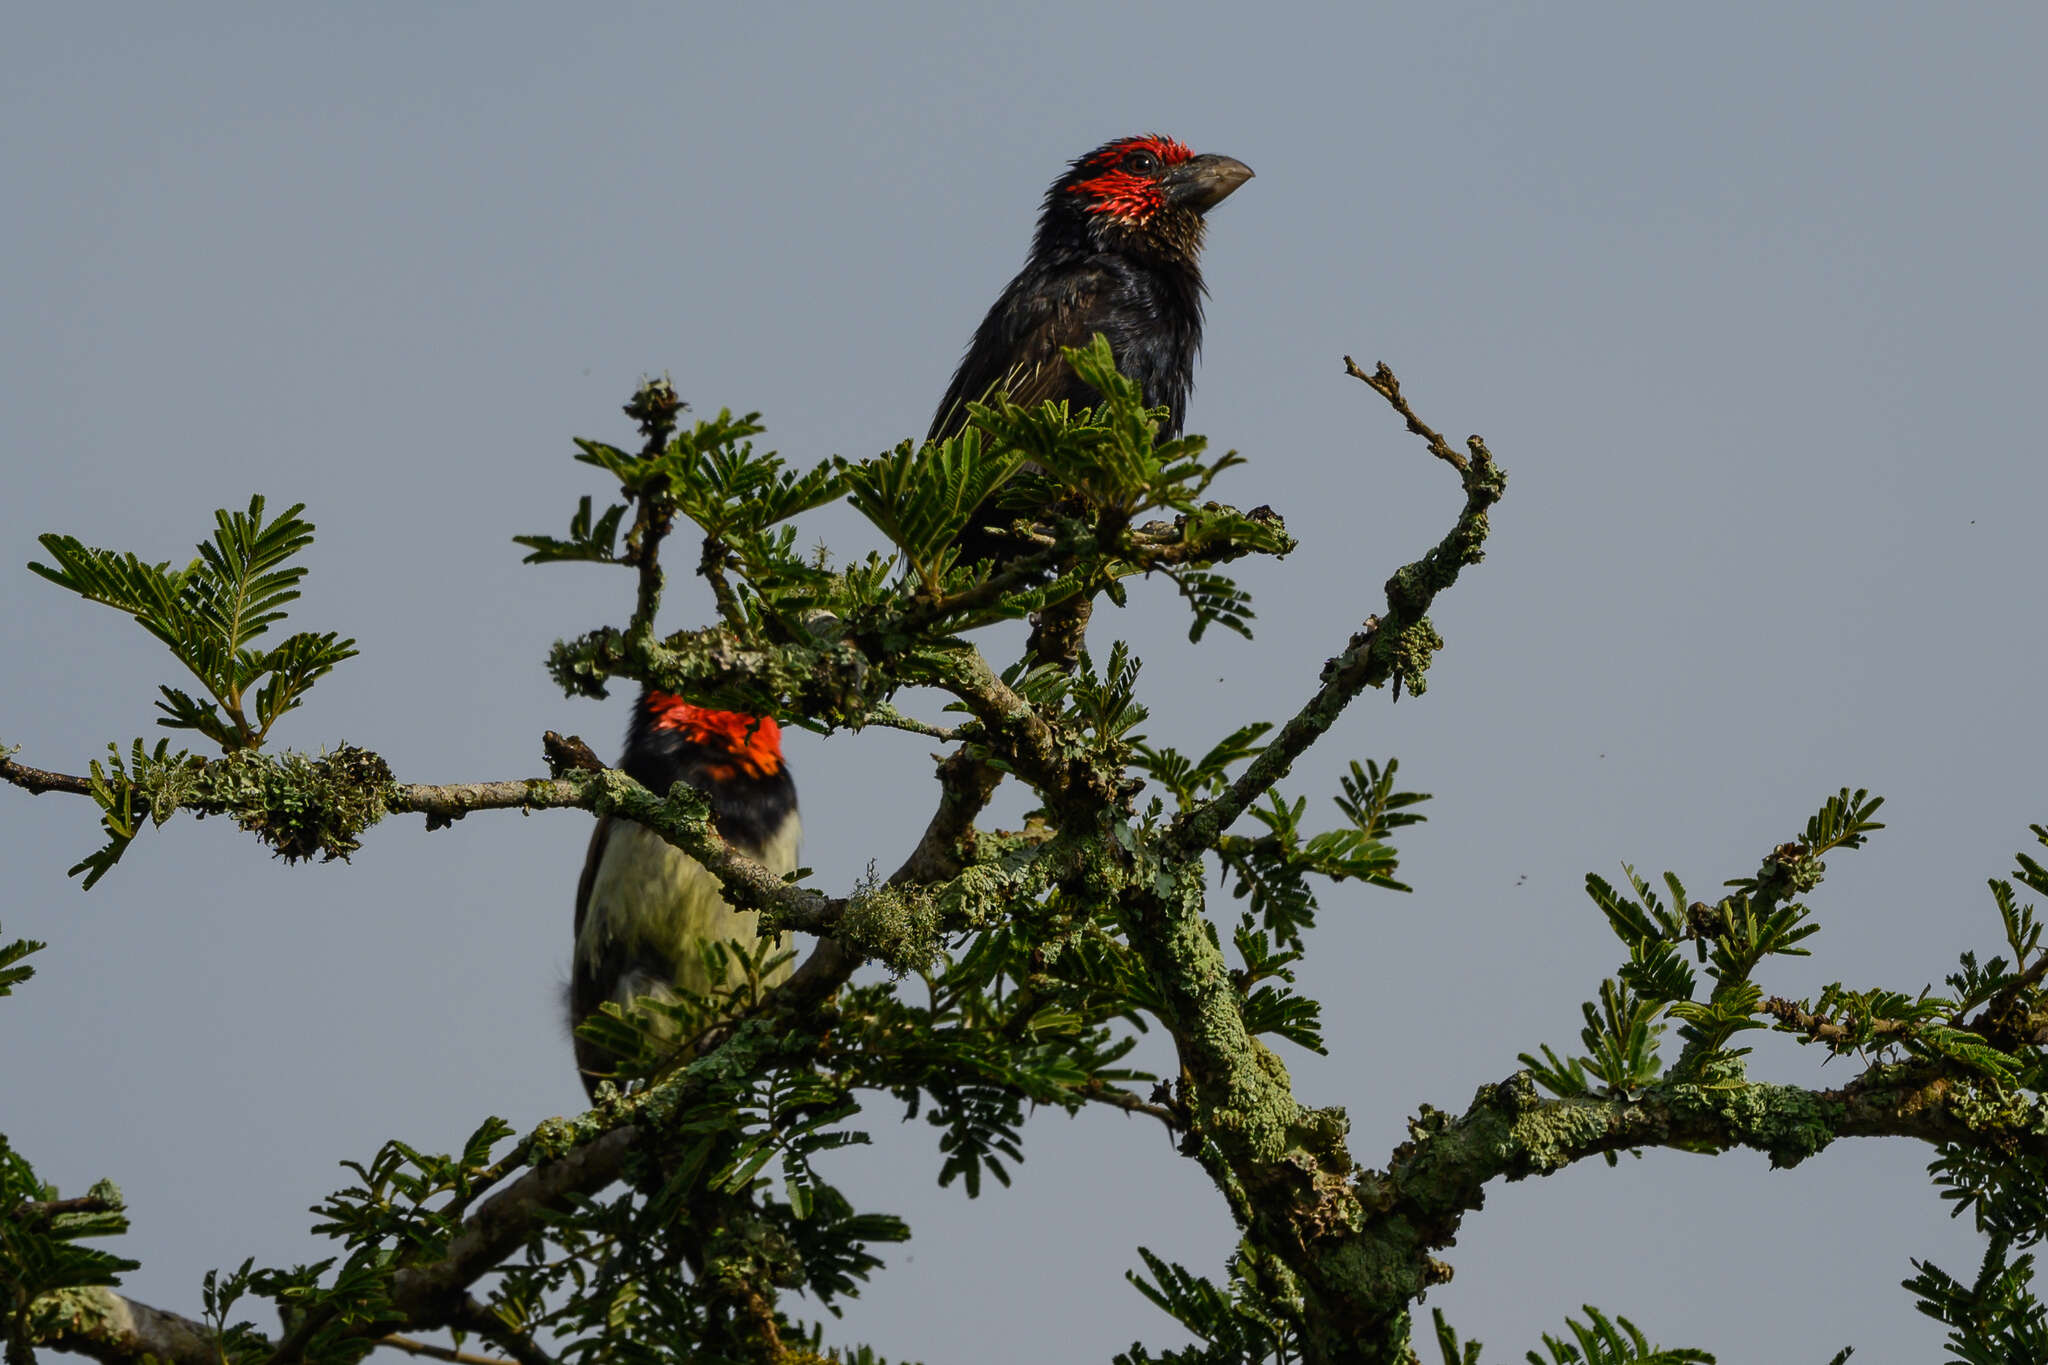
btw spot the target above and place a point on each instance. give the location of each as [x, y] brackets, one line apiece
[598, 837]
[1017, 346]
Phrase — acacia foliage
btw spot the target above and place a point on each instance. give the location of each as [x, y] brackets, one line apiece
[674, 1220]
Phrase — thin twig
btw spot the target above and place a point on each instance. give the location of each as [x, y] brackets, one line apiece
[476, 1316]
[889, 718]
[433, 1352]
[1101, 1092]
[1367, 659]
[711, 568]
[1820, 1028]
[1382, 382]
[36, 781]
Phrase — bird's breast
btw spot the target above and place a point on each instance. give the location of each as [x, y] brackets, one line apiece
[650, 897]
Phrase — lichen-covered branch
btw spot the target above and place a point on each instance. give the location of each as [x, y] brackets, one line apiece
[570, 1159]
[1038, 947]
[1396, 646]
[1413, 1207]
[109, 1327]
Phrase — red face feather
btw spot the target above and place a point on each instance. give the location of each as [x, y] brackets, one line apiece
[1127, 183]
[755, 742]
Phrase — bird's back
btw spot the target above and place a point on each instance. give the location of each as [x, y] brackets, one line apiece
[1152, 317]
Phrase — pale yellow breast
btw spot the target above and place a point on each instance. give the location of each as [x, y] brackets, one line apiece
[648, 892]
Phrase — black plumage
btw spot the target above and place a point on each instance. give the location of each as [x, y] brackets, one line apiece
[1117, 253]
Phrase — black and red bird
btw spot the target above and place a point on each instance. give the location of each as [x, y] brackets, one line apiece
[644, 908]
[1117, 253]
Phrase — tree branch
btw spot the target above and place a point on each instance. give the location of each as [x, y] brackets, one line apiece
[1101, 1092]
[43, 1213]
[433, 1352]
[476, 1316]
[1821, 1029]
[36, 781]
[654, 406]
[108, 1327]
[1397, 645]
[1414, 1207]
[1382, 382]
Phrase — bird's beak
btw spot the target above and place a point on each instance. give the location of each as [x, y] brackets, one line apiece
[1202, 182]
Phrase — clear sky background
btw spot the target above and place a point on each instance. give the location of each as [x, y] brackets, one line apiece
[1746, 298]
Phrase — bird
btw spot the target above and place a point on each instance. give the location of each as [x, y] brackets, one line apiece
[1117, 253]
[644, 908]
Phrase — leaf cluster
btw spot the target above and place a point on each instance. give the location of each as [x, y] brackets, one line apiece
[43, 1237]
[43, 1246]
[1008, 1022]
[1070, 484]
[1271, 872]
[301, 806]
[1995, 1319]
[14, 968]
[210, 614]
[1025, 969]
[1599, 1340]
[1759, 919]
[1238, 1323]
[712, 475]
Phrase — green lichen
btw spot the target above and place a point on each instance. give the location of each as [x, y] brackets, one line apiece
[1407, 653]
[897, 926]
[1783, 1121]
[303, 807]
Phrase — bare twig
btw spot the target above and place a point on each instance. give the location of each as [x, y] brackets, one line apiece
[1383, 383]
[889, 718]
[1376, 653]
[433, 1352]
[1101, 1092]
[36, 781]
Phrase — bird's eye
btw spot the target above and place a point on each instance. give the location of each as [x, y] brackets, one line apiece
[1141, 163]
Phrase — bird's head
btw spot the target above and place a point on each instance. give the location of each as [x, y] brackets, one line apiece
[735, 743]
[1142, 192]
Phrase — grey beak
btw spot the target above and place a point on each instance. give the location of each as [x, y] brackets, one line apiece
[1202, 182]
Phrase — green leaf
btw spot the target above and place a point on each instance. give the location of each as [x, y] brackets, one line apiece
[588, 541]
[211, 613]
[1604, 1341]
[1235, 1326]
[922, 497]
[1214, 599]
[13, 956]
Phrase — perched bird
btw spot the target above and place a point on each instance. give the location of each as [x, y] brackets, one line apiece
[643, 907]
[1117, 252]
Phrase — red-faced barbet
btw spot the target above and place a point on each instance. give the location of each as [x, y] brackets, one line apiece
[644, 908]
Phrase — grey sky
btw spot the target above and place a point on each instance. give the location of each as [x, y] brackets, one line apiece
[1746, 298]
